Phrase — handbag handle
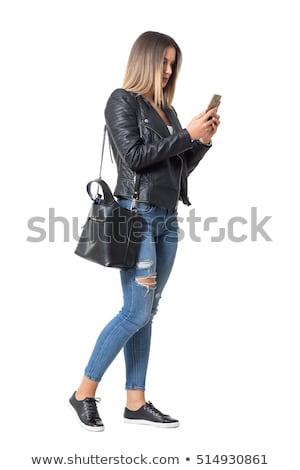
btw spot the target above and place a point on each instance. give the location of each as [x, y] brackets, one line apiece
[105, 188]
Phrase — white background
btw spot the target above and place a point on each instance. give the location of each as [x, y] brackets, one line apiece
[225, 347]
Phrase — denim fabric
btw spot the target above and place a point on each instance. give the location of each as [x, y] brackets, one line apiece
[131, 327]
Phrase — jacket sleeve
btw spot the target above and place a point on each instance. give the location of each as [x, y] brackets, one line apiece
[123, 128]
[195, 155]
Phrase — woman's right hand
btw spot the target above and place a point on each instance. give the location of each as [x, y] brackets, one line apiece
[204, 126]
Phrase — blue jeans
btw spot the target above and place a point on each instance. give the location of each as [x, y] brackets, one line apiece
[131, 328]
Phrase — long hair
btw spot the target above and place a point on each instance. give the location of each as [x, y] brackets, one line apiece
[145, 67]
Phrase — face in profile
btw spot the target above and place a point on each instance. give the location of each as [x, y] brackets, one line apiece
[169, 61]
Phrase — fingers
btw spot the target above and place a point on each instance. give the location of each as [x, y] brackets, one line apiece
[211, 112]
[215, 120]
[212, 122]
[199, 116]
[204, 125]
[207, 114]
[211, 125]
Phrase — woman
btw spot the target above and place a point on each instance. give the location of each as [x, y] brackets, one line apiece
[154, 157]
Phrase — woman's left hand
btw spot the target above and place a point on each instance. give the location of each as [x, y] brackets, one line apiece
[211, 128]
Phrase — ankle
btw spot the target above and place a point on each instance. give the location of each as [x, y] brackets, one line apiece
[135, 405]
[87, 389]
[135, 399]
[81, 396]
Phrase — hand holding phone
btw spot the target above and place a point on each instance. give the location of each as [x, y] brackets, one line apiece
[204, 126]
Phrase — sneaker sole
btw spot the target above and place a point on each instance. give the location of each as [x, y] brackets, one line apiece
[151, 423]
[85, 426]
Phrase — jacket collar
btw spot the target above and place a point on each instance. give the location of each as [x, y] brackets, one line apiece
[153, 119]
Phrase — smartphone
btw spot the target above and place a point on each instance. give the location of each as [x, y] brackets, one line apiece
[214, 102]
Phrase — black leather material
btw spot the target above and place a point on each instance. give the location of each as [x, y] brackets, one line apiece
[141, 144]
[148, 412]
[87, 412]
[111, 235]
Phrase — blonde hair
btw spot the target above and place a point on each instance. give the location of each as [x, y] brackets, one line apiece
[145, 67]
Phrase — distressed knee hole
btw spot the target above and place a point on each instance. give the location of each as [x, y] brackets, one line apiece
[149, 281]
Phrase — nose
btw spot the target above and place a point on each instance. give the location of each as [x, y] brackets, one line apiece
[168, 68]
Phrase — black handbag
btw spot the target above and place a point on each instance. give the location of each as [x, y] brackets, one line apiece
[112, 234]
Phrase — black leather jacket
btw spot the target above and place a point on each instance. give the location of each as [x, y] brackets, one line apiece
[142, 145]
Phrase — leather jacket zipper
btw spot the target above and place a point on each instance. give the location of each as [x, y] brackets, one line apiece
[180, 174]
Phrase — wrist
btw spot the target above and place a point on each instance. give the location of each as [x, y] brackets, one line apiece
[205, 142]
[189, 134]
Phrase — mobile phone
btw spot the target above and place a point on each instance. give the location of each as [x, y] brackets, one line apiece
[214, 102]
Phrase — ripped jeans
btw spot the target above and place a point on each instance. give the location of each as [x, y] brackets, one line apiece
[142, 287]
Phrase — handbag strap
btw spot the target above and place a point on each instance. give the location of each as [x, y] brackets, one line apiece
[137, 176]
[102, 150]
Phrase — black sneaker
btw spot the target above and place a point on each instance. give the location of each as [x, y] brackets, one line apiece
[148, 414]
[87, 413]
